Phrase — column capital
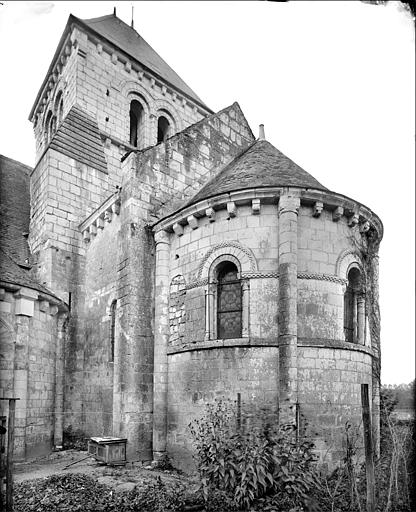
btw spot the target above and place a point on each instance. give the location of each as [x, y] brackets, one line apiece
[288, 204]
[161, 237]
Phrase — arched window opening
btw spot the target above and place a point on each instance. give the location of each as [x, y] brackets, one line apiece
[136, 124]
[113, 309]
[229, 301]
[47, 129]
[53, 127]
[163, 129]
[59, 107]
[354, 308]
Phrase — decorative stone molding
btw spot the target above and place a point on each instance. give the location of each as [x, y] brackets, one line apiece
[255, 206]
[99, 48]
[259, 275]
[339, 205]
[196, 284]
[243, 254]
[337, 213]
[102, 215]
[321, 277]
[127, 66]
[345, 260]
[114, 58]
[317, 208]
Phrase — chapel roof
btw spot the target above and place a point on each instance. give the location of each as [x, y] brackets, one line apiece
[14, 225]
[127, 39]
[260, 165]
[14, 208]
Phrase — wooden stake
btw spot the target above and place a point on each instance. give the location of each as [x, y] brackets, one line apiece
[9, 468]
[368, 444]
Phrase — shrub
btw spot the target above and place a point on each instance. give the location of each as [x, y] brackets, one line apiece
[251, 457]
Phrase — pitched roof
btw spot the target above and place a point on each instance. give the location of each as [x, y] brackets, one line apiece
[261, 165]
[11, 272]
[78, 137]
[128, 40]
[14, 225]
[14, 208]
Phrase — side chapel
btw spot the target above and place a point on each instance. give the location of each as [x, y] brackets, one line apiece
[159, 256]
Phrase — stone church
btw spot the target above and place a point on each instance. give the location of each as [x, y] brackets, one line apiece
[159, 256]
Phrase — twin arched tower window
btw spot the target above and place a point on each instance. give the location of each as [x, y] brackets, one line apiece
[137, 134]
[354, 308]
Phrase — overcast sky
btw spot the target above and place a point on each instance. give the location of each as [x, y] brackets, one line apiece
[333, 83]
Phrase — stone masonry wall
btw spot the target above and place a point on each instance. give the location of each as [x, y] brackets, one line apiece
[28, 371]
[159, 176]
[92, 384]
[201, 376]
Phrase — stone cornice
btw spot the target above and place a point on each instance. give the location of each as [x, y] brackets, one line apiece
[273, 275]
[101, 216]
[60, 58]
[339, 205]
[258, 342]
[31, 294]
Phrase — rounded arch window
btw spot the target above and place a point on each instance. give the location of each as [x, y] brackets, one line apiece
[48, 127]
[136, 115]
[229, 301]
[163, 129]
[59, 106]
[354, 307]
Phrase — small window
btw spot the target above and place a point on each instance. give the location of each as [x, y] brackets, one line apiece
[59, 107]
[163, 128]
[229, 302]
[113, 309]
[136, 124]
[354, 305]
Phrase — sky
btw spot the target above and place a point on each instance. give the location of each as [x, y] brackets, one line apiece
[333, 83]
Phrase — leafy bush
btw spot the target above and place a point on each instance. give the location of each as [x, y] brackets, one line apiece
[248, 458]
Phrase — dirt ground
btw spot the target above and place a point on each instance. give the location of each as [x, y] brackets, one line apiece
[120, 477]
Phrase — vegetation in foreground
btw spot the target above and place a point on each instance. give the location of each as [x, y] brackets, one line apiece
[245, 463]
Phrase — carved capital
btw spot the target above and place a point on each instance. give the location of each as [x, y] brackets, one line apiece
[161, 237]
[288, 204]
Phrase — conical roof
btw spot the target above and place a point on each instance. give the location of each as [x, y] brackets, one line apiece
[128, 40]
[261, 165]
